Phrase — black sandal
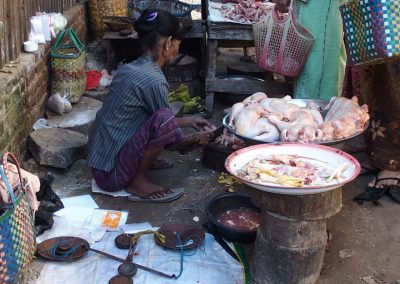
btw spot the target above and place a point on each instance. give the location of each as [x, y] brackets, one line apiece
[368, 170]
[394, 192]
[373, 194]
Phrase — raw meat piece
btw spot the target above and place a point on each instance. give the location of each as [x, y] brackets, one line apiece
[245, 11]
[229, 140]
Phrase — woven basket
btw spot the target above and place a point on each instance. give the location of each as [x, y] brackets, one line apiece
[372, 30]
[117, 24]
[98, 9]
[282, 45]
[68, 67]
[17, 230]
[179, 9]
[113, 8]
[95, 19]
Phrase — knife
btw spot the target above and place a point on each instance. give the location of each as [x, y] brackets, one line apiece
[217, 132]
[220, 240]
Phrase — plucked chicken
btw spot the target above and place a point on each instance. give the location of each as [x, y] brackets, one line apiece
[271, 119]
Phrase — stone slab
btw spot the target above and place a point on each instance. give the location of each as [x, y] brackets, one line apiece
[99, 95]
[80, 119]
[57, 147]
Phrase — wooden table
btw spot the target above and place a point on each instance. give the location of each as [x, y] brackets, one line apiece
[233, 35]
[118, 46]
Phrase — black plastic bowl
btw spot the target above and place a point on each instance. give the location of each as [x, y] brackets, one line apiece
[224, 202]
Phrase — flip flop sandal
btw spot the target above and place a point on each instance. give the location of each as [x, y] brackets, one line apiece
[171, 195]
[367, 171]
[394, 192]
[371, 195]
[161, 164]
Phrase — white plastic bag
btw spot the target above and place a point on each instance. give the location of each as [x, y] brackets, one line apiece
[57, 23]
[36, 34]
[46, 26]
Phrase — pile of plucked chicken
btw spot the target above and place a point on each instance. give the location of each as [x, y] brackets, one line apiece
[272, 119]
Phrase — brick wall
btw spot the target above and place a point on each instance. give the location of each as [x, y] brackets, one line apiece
[23, 93]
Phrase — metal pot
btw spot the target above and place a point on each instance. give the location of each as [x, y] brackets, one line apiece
[228, 201]
[232, 98]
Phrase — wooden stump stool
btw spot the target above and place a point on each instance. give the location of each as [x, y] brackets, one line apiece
[291, 240]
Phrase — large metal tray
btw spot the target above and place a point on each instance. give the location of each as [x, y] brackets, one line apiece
[327, 156]
[301, 103]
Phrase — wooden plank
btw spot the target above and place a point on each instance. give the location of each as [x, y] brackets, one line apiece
[24, 20]
[39, 7]
[17, 43]
[195, 32]
[7, 37]
[31, 6]
[247, 86]
[2, 33]
[229, 32]
[211, 61]
[235, 43]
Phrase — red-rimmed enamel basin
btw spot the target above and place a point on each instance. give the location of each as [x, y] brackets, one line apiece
[330, 156]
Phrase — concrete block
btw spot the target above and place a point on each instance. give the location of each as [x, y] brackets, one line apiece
[57, 147]
[80, 119]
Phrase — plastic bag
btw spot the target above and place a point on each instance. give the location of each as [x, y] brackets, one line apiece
[59, 22]
[46, 26]
[50, 202]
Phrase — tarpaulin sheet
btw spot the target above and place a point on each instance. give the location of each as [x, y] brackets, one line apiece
[206, 266]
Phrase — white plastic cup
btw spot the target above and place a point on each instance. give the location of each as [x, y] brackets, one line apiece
[30, 46]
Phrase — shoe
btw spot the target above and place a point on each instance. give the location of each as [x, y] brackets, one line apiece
[394, 192]
[171, 195]
[373, 193]
[369, 170]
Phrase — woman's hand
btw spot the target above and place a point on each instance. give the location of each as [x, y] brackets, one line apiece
[281, 5]
[200, 124]
[203, 137]
[191, 142]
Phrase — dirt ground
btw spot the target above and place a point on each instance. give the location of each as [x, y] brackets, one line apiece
[365, 239]
[364, 248]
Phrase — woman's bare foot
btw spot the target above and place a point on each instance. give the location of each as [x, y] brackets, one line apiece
[390, 178]
[144, 188]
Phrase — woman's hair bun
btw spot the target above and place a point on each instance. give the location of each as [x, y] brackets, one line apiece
[155, 24]
[146, 23]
